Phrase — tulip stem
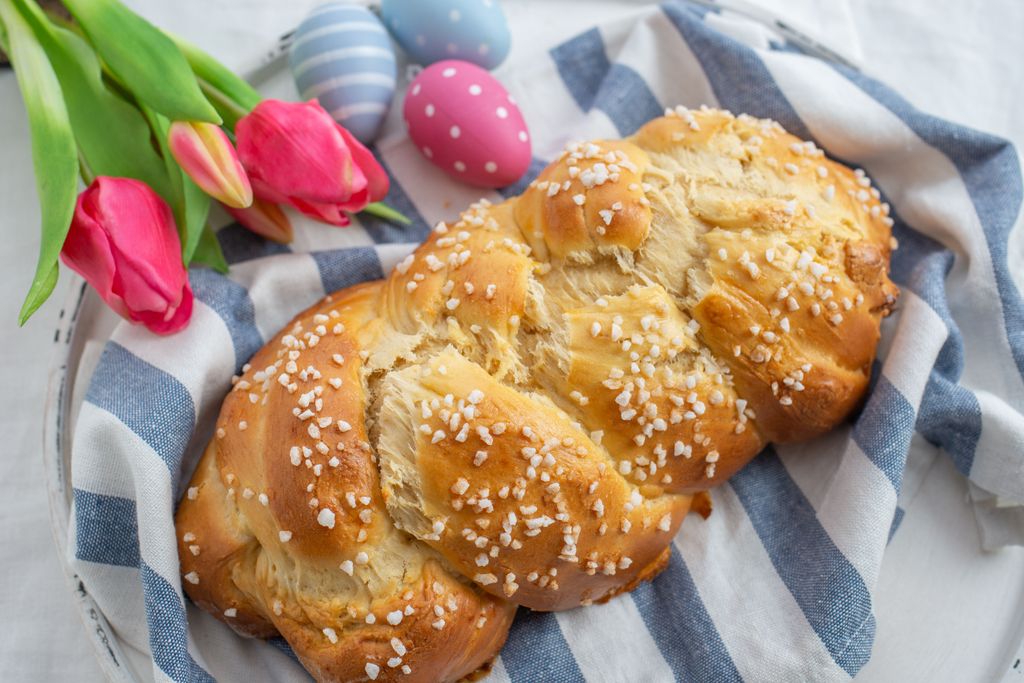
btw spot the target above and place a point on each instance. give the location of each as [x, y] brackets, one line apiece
[229, 110]
[83, 168]
[382, 210]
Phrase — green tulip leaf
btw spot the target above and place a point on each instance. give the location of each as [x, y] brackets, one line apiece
[54, 155]
[219, 82]
[208, 252]
[230, 111]
[382, 210]
[3, 38]
[190, 204]
[197, 210]
[113, 136]
[145, 60]
[40, 291]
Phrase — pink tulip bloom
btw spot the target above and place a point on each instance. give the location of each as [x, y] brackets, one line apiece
[204, 152]
[265, 219]
[124, 242]
[295, 153]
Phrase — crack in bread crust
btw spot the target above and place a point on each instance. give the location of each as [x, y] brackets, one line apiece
[524, 411]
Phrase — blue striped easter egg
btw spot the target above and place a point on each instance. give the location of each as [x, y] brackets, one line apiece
[429, 31]
[342, 56]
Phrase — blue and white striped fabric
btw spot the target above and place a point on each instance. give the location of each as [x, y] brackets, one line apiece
[777, 584]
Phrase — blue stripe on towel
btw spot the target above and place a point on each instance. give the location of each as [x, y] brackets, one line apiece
[740, 81]
[341, 268]
[949, 415]
[884, 428]
[151, 403]
[106, 530]
[897, 520]
[536, 651]
[830, 592]
[386, 232]
[673, 611]
[231, 302]
[858, 649]
[517, 188]
[627, 100]
[594, 82]
[165, 613]
[582, 65]
[239, 244]
[282, 645]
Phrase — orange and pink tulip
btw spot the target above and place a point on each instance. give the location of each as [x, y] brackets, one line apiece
[204, 152]
[265, 219]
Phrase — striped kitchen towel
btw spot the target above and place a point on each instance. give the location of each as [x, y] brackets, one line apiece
[777, 584]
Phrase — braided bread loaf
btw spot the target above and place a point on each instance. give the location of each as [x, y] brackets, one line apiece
[525, 410]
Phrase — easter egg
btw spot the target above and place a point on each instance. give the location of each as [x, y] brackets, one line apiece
[464, 121]
[341, 55]
[431, 30]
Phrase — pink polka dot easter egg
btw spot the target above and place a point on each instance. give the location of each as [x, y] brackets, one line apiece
[465, 122]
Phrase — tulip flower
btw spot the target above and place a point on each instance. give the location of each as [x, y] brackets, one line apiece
[295, 153]
[204, 152]
[266, 219]
[124, 242]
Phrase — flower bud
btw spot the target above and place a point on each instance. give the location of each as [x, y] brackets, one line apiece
[265, 219]
[124, 242]
[204, 152]
[295, 153]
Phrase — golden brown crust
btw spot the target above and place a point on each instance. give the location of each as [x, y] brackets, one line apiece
[570, 210]
[211, 545]
[547, 521]
[430, 653]
[306, 549]
[525, 409]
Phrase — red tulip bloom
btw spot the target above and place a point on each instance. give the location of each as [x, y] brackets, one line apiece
[295, 153]
[124, 242]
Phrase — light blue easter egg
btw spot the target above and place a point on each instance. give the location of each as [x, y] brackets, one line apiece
[342, 56]
[431, 30]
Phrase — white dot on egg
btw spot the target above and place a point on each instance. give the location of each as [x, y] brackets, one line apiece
[449, 72]
[475, 89]
[501, 112]
[454, 15]
[428, 153]
[522, 136]
[455, 131]
[490, 167]
[429, 110]
[484, 48]
[459, 166]
[416, 89]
